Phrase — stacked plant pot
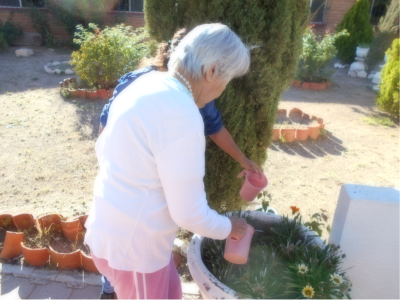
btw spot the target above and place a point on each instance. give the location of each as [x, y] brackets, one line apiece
[85, 93]
[300, 132]
[49, 226]
[312, 85]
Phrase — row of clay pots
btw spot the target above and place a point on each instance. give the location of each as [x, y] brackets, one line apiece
[85, 93]
[301, 134]
[312, 85]
[72, 230]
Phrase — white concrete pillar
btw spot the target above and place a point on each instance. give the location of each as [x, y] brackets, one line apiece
[366, 226]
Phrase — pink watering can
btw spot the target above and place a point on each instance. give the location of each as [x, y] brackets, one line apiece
[253, 184]
[236, 251]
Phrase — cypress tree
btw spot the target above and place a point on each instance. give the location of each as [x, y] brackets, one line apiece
[356, 21]
[388, 97]
[248, 105]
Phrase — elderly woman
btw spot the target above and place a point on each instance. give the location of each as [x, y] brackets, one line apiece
[152, 164]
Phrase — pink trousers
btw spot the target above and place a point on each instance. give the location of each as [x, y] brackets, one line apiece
[163, 284]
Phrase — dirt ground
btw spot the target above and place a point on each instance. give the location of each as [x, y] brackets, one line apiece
[48, 164]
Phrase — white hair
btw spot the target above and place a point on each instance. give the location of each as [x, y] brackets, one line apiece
[208, 45]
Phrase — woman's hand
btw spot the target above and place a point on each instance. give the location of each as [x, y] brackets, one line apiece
[239, 227]
[247, 164]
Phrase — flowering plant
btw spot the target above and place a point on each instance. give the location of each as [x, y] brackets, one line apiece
[105, 55]
[316, 55]
[283, 263]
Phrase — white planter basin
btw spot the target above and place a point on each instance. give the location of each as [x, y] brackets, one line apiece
[210, 286]
[362, 52]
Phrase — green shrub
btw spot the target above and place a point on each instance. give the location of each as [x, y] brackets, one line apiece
[104, 56]
[388, 30]
[316, 55]
[356, 22]
[249, 104]
[388, 97]
[40, 22]
[9, 31]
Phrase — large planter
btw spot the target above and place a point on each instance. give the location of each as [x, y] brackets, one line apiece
[12, 245]
[92, 94]
[302, 134]
[314, 131]
[73, 92]
[66, 260]
[82, 93]
[88, 264]
[276, 134]
[103, 94]
[35, 257]
[305, 86]
[296, 83]
[50, 222]
[314, 86]
[210, 287]
[72, 230]
[24, 221]
[362, 52]
[289, 134]
[321, 86]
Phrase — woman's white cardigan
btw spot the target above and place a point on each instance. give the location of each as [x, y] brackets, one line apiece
[150, 183]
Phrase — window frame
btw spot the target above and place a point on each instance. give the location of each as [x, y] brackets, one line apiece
[323, 15]
[130, 9]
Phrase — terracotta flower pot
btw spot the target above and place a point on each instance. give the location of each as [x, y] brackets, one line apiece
[12, 245]
[88, 264]
[296, 83]
[276, 134]
[24, 221]
[72, 79]
[320, 121]
[92, 94]
[102, 94]
[50, 221]
[110, 93]
[321, 86]
[328, 83]
[289, 134]
[74, 93]
[82, 93]
[6, 221]
[305, 86]
[83, 219]
[72, 230]
[314, 86]
[281, 112]
[66, 260]
[295, 111]
[314, 131]
[35, 257]
[302, 134]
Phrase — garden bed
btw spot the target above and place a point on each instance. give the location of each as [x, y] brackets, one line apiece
[286, 260]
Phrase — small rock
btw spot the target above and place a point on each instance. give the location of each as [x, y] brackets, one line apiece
[377, 78]
[69, 72]
[50, 49]
[376, 88]
[24, 52]
[381, 66]
[362, 74]
[352, 73]
[371, 76]
[56, 63]
[337, 65]
[57, 71]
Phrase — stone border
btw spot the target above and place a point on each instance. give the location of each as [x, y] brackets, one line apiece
[73, 279]
[48, 69]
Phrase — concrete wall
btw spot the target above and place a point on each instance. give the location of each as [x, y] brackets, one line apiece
[366, 226]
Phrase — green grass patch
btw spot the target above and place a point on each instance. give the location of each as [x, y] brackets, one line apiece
[384, 121]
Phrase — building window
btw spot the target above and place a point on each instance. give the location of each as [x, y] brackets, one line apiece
[21, 3]
[377, 10]
[318, 8]
[129, 5]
